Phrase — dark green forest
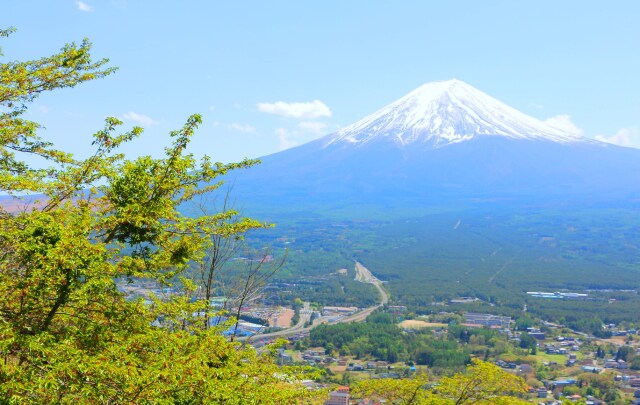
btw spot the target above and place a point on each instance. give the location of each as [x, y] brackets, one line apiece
[495, 255]
[380, 338]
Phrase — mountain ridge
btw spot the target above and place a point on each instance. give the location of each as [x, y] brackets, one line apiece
[398, 157]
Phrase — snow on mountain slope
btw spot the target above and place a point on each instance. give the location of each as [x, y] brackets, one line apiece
[444, 143]
[445, 112]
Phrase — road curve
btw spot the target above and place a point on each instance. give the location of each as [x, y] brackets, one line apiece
[363, 275]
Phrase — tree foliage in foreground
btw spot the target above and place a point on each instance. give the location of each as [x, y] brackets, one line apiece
[482, 383]
[66, 333]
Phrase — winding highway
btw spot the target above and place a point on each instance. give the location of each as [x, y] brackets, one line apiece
[363, 275]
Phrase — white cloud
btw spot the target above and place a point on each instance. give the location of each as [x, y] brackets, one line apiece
[139, 118]
[242, 127]
[212, 108]
[82, 6]
[310, 110]
[564, 123]
[313, 127]
[629, 137]
[284, 139]
[305, 131]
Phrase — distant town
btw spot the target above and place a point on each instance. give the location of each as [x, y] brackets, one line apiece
[554, 363]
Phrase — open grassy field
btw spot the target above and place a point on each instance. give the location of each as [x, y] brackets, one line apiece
[417, 324]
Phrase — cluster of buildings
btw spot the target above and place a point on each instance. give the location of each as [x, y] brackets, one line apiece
[328, 311]
[464, 300]
[315, 357]
[557, 295]
[333, 314]
[486, 320]
[563, 345]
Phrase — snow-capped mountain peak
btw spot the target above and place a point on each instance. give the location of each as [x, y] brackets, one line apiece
[445, 112]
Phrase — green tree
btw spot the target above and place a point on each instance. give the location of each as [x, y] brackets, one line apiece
[626, 353]
[527, 341]
[482, 383]
[66, 333]
[524, 321]
[395, 391]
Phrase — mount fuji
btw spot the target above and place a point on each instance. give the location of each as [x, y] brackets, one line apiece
[441, 113]
[443, 143]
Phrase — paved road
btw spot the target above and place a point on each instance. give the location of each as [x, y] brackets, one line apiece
[363, 275]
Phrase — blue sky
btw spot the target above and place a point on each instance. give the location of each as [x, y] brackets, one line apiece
[270, 75]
